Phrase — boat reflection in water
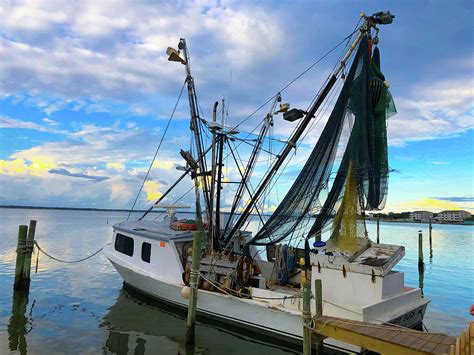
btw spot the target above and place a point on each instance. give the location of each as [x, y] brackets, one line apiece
[137, 324]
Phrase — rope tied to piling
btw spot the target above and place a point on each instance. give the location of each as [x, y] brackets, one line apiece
[68, 261]
[25, 246]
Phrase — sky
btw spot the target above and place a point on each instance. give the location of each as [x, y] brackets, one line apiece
[86, 92]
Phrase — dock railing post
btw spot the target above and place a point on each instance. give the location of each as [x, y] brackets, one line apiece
[318, 296]
[194, 279]
[20, 256]
[30, 240]
[306, 314]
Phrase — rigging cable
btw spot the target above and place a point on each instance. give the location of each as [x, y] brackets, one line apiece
[157, 149]
[297, 77]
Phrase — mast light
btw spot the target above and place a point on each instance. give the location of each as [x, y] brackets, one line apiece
[173, 55]
[293, 115]
[383, 17]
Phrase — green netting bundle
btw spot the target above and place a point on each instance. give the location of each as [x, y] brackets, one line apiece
[364, 104]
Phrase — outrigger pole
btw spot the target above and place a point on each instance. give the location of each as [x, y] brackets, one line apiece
[267, 123]
[174, 56]
[369, 22]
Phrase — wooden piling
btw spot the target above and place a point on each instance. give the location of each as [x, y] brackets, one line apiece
[431, 241]
[318, 296]
[420, 248]
[378, 229]
[25, 282]
[193, 282]
[306, 316]
[20, 256]
[421, 264]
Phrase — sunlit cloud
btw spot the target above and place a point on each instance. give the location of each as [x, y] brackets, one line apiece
[116, 166]
[164, 164]
[20, 167]
[434, 205]
[152, 189]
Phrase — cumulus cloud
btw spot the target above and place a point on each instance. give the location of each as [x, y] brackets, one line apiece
[88, 57]
[82, 53]
[433, 110]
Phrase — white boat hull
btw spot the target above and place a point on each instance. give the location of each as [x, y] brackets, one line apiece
[246, 313]
[243, 312]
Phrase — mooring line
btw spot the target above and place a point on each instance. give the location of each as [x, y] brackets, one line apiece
[69, 261]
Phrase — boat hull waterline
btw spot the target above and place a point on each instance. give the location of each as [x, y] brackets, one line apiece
[242, 312]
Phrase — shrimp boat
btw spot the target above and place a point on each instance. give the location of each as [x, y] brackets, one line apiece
[252, 278]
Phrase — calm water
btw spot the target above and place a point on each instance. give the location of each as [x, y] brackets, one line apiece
[82, 308]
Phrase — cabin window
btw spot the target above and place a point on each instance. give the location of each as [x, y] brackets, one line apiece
[146, 252]
[124, 244]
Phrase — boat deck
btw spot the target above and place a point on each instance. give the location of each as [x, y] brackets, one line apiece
[153, 229]
[383, 338]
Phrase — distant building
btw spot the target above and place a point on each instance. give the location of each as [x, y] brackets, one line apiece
[457, 216]
[421, 216]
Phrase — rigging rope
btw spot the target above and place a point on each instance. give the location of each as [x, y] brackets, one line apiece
[296, 78]
[157, 150]
[69, 261]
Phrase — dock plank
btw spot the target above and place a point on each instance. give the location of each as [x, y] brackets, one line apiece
[383, 338]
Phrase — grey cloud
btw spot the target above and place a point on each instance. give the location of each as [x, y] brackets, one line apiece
[456, 198]
[65, 172]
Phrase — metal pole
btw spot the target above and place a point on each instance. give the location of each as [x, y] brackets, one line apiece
[194, 279]
[267, 123]
[193, 107]
[212, 221]
[20, 256]
[221, 140]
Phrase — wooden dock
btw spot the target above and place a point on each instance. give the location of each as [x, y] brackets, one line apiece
[388, 339]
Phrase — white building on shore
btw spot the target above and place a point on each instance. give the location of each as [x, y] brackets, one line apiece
[457, 216]
[421, 216]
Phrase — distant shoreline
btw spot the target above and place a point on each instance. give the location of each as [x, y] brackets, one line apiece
[416, 222]
[125, 210]
[72, 208]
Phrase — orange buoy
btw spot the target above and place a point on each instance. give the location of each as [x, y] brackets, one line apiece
[472, 309]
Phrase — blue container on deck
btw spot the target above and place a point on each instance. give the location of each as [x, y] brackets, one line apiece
[320, 247]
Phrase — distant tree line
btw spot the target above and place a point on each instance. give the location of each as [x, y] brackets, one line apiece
[392, 215]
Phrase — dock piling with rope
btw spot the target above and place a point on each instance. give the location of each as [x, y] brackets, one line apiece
[24, 249]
